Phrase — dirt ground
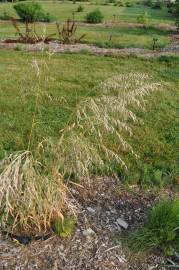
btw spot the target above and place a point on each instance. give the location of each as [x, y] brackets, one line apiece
[96, 243]
[56, 47]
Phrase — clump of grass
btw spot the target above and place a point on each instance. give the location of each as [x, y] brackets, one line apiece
[29, 199]
[161, 229]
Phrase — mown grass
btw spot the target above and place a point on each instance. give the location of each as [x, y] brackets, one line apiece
[123, 37]
[73, 77]
[62, 11]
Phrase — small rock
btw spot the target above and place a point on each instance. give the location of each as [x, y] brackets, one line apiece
[90, 210]
[88, 232]
[122, 223]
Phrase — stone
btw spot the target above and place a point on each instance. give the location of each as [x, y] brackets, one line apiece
[90, 210]
[122, 223]
[88, 232]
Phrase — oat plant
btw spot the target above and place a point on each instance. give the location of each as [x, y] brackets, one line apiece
[84, 143]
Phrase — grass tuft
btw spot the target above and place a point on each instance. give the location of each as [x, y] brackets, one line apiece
[29, 199]
[161, 229]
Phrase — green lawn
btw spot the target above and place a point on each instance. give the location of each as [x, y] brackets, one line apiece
[63, 11]
[123, 37]
[71, 78]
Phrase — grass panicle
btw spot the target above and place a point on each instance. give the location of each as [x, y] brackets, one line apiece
[83, 143]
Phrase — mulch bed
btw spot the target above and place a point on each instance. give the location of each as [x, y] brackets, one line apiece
[96, 243]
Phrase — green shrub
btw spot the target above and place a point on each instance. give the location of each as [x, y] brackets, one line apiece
[95, 16]
[80, 8]
[31, 12]
[161, 229]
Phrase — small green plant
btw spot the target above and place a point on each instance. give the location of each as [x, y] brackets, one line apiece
[161, 229]
[154, 43]
[143, 19]
[95, 16]
[65, 227]
[80, 8]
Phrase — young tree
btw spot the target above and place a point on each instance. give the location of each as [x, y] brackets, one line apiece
[30, 12]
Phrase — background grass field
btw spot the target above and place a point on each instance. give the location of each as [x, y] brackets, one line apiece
[63, 10]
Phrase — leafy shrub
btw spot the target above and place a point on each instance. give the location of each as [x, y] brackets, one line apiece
[80, 8]
[31, 12]
[160, 230]
[95, 16]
